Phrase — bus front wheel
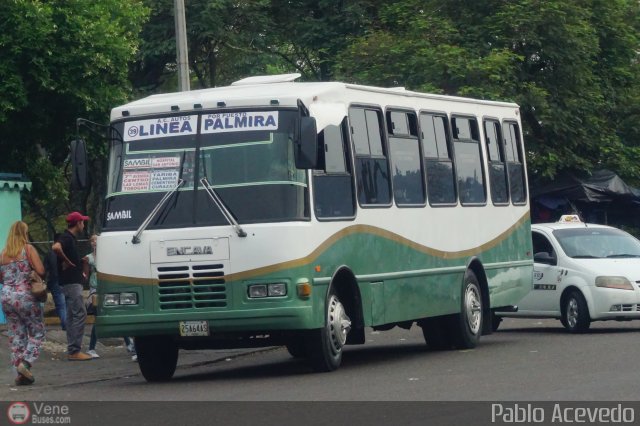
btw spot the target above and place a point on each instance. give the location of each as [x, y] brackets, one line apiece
[324, 345]
[157, 357]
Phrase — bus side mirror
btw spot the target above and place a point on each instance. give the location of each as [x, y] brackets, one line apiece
[306, 149]
[79, 169]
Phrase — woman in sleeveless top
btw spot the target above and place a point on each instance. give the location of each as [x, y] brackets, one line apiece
[25, 323]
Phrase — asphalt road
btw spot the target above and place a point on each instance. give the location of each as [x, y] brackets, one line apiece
[526, 360]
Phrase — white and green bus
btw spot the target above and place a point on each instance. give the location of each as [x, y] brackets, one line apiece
[274, 212]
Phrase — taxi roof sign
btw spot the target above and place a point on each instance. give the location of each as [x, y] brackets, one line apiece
[569, 218]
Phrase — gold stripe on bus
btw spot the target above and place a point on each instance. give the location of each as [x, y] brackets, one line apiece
[367, 229]
[350, 230]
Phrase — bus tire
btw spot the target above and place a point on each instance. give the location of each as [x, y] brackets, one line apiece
[297, 348]
[466, 327]
[325, 345]
[436, 333]
[157, 357]
[575, 313]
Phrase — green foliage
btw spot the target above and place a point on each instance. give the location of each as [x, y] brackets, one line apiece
[572, 66]
[61, 59]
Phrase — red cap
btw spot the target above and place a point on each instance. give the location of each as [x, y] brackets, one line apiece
[76, 217]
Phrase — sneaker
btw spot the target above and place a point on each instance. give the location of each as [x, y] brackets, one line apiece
[79, 356]
[134, 358]
[93, 353]
[23, 381]
[24, 374]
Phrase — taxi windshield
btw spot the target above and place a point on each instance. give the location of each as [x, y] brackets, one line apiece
[597, 243]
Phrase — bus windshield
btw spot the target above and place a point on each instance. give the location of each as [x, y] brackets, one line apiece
[246, 156]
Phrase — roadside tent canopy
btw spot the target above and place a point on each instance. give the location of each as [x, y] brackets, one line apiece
[596, 197]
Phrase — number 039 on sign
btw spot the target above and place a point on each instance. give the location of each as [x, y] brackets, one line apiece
[194, 328]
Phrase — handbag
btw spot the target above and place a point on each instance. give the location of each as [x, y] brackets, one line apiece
[38, 287]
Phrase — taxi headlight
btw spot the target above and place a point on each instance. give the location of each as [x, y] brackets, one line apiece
[621, 283]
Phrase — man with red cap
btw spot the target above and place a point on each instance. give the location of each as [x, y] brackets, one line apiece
[70, 279]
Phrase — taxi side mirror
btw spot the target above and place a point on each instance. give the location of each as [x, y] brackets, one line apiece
[544, 257]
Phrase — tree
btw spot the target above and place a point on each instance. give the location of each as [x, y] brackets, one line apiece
[230, 39]
[221, 38]
[61, 59]
[572, 66]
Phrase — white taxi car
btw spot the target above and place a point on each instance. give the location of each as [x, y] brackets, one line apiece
[582, 273]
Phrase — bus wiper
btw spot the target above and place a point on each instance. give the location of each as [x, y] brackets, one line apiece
[622, 255]
[222, 207]
[136, 236]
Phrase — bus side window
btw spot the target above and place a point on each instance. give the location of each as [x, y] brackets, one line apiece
[515, 163]
[437, 158]
[497, 164]
[404, 148]
[333, 187]
[372, 166]
[468, 160]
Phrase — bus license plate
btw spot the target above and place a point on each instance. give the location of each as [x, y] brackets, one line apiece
[194, 328]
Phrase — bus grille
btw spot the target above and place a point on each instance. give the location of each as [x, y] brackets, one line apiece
[191, 286]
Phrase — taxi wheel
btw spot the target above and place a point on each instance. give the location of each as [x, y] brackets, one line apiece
[575, 313]
[157, 357]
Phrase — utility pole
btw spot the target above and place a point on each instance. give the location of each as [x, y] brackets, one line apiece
[181, 46]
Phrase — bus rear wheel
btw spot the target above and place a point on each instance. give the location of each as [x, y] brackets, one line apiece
[324, 345]
[297, 348]
[466, 327]
[157, 357]
[436, 333]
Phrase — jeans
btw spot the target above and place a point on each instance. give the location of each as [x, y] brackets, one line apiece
[76, 316]
[58, 300]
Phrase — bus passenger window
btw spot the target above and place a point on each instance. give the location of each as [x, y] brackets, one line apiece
[333, 187]
[408, 183]
[438, 163]
[497, 165]
[372, 166]
[515, 163]
[468, 160]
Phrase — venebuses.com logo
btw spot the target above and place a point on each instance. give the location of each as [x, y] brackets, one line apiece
[18, 413]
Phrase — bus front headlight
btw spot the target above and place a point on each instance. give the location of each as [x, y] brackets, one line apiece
[119, 299]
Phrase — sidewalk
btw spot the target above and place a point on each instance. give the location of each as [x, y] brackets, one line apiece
[53, 368]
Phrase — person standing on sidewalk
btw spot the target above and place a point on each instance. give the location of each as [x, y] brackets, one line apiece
[51, 266]
[70, 276]
[25, 323]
